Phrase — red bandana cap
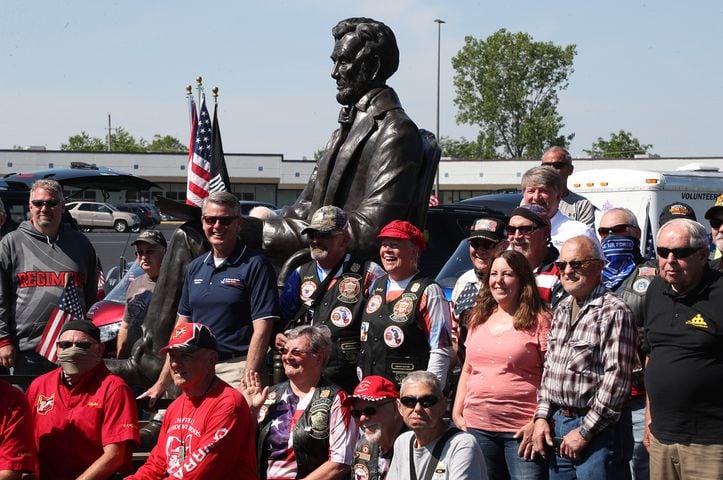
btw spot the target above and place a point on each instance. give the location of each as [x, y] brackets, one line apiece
[189, 337]
[373, 389]
[405, 231]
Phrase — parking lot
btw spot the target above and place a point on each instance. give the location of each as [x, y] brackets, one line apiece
[110, 246]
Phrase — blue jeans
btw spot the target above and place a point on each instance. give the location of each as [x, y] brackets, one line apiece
[501, 458]
[640, 462]
[606, 456]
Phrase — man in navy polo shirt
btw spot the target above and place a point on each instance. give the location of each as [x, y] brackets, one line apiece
[231, 290]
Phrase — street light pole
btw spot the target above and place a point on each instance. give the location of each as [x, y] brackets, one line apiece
[439, 139]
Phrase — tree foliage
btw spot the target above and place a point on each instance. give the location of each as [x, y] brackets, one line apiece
[463, 149]
[122, 141]
[620, 145]
[508, 84]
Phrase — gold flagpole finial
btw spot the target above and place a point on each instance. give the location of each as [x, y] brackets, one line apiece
[199, 81]
[188, 90]
[214, 91]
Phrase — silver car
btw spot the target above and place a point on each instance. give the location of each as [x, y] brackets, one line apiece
[90, 215]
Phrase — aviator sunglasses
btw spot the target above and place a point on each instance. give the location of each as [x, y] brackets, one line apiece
[425, 401]
[82, 345]
[225, 221]
[368, 411]
[575, 264]
[44, 203]
[482, 242]
[615, 230]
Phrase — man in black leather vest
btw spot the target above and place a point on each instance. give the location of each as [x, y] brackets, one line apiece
[406, 323]
[330, 290]
[374, 407]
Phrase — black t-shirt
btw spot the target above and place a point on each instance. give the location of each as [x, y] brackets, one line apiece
[684, 376]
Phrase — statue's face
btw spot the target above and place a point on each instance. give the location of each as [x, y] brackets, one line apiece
[350, 71]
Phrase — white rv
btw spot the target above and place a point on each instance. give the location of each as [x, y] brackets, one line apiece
[646, 192]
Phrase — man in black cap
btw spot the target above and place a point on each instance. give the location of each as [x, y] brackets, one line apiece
[85, 418]
[208, 431]
[150, 249]
[676, 210]
[330, 290]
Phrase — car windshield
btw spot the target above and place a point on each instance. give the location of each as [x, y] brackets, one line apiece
[457, 264]
[112, 208]
[118, 294]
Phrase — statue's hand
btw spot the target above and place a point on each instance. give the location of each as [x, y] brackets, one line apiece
[153, 393]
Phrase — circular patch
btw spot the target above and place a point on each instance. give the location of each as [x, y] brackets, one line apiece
[641, 285]
[341, 317]
[349, 288]
[374, 303]
[402, 309]
[361, 472]
[262, 413]
[393, 336]
[307, 289]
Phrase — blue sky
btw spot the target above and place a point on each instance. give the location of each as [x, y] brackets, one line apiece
[652, 68]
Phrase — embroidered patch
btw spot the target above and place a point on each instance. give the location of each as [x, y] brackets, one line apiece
[364, 331]
[647, 271]
[349, 288]
[403, 308]
[361, 472]
[231, 282]
[355, 267]
[697, 321]
[641, 285]
[415, 287]
[341, 317]
[307, 290]
[374, 303]
[393, 336]
[45, 404]
[262, 413]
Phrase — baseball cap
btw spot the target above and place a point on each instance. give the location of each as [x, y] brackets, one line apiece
[374, 388]
[718, 205]
[403, 230]
[84, 326]
[154, 237]
[676, 210]
[533, 212]
[189, 337]
[490, 228]
[327, 219]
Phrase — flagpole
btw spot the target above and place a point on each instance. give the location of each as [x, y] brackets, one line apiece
[189, 97]
[214, 92]
[199, 87]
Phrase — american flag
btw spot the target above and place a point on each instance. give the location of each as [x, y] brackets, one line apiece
[101, 275]
[68, 309]
[206, 170]
[192, 141]
[433, 200]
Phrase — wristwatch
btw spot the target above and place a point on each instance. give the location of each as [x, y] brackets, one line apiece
[584, 433]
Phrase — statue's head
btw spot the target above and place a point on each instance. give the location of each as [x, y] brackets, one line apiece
[365, 55]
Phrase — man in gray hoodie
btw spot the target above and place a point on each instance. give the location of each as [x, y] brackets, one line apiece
[36, 263]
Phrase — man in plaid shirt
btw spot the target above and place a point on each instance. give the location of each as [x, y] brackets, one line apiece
[587, 374]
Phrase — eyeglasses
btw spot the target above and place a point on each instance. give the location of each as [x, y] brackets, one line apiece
[82, 345]
[296, 352]
[44, 203]
[368, 411]
[615, 230]
[524, 229]
[482, 243]
[225, 221]
[425, 401]
[682, 252]
[555, 165]
[575, 264]
[716, 223]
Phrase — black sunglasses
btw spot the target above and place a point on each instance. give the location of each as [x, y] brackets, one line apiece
[367, 411]
[482, 242]
[225, 221]
[555, 165]
[682, 252]
[425, 401]
[716, 223]
[44, 203]
[575, 264]
[82, 345]
[524, 229]
[615, 230]
[323, 235]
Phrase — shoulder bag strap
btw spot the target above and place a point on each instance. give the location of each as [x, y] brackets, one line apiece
[436, 453]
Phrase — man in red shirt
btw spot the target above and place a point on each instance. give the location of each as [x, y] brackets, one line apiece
[207, 432]
[86, 423]
[17, 445]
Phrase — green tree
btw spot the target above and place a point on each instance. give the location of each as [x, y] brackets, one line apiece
[166, 143]
[463, 149]
[84, 143]
[620, 145]
[508, 84]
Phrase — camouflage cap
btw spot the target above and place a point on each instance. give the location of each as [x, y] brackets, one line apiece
[715, 208]
[327, 219]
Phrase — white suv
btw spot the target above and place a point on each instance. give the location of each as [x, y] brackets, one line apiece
[90, 215]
